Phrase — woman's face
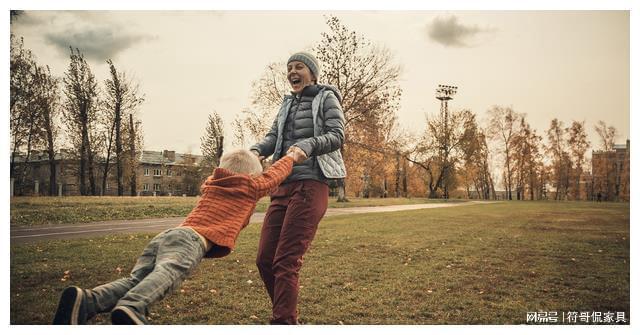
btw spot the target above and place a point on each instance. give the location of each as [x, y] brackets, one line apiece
[299, 76]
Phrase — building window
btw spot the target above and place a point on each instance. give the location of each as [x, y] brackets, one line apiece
[179, 173]
[157, 172]
[146, 171]
[169, 173]
[145, 187]
[156, 187]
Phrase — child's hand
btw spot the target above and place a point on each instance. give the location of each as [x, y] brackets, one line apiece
[297, 154]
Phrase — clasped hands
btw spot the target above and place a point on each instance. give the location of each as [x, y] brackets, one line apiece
[294, 152]
[297, 154]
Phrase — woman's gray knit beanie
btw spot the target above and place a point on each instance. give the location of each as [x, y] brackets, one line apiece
[308, 59]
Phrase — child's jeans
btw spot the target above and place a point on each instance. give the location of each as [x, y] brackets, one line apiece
[164, 264]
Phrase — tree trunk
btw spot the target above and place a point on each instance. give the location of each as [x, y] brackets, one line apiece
[342, 192]
[106, 165]
[132, 148]
[119, 175]
[23, 173]
[397, 191]
[82, 172]
[52, 159]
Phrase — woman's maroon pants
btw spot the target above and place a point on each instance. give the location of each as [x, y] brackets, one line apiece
[288, 229]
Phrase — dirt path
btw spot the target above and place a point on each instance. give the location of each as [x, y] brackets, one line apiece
[93, 229]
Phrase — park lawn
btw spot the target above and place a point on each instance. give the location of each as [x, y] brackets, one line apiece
[56, 210]
[476, 264]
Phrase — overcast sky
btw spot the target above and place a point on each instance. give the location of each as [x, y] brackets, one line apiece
[570, 65]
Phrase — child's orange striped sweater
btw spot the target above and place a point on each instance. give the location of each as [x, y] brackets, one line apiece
[227, 202]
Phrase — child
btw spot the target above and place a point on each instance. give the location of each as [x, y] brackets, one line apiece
[228, 200]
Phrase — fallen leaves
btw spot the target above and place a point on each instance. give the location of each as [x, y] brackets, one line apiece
[66, 276]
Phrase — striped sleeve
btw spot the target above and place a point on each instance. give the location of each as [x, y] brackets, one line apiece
[273, 176]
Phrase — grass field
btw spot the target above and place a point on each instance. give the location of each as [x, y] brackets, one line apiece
[53, 210]
[479, 264]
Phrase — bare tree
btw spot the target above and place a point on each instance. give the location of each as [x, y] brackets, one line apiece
[561, 162]
[20, 65]
[81, 92]
[48, 102]
[578, 146]
[442, 146]
[211, 141]
[527, 160]
[132, 135]
[22, 98]
[607, 135]
[502, 128]
[122, 97]
[363, 72]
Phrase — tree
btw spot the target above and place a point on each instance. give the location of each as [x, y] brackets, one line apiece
[607, 135]
[527, 160]
[266, 96]
[81, 92]
[561, 163]
[578, 146]
[365, 75]
[48, 102]
[211, 142]
[33, 108]
[132, 134]
[474, 172]
[367, 79]
[606, 169]
[122, 97]
[441, 148]
[502, 129]
[22, 98]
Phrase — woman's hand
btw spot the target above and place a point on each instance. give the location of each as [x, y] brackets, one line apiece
[297, 154]
[261, 158]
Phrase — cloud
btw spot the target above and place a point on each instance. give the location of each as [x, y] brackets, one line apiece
[450, 33]
[99, 44]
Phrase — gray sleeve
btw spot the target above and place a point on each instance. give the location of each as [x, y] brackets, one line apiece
[267, 146]
[333, 130]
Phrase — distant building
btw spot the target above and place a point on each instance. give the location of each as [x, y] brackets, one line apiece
[37, 171]
[169, 173]
[610, 174]
[157, 173]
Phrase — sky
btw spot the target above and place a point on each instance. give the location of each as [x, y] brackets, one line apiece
[570, 65]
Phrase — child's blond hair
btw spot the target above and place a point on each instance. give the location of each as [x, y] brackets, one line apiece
[241, 161]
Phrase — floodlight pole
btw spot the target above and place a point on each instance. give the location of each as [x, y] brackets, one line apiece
[444, 93]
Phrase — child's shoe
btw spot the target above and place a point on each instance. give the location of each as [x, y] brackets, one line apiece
[123, 315]
[72, 308]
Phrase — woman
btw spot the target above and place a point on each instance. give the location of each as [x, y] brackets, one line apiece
[310, 121]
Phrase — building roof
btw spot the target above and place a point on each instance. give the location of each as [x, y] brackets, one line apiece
[160, 157]
[148, 157]
[41, 156]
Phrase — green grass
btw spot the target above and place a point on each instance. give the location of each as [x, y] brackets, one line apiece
[55, 210]
[479, 264]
